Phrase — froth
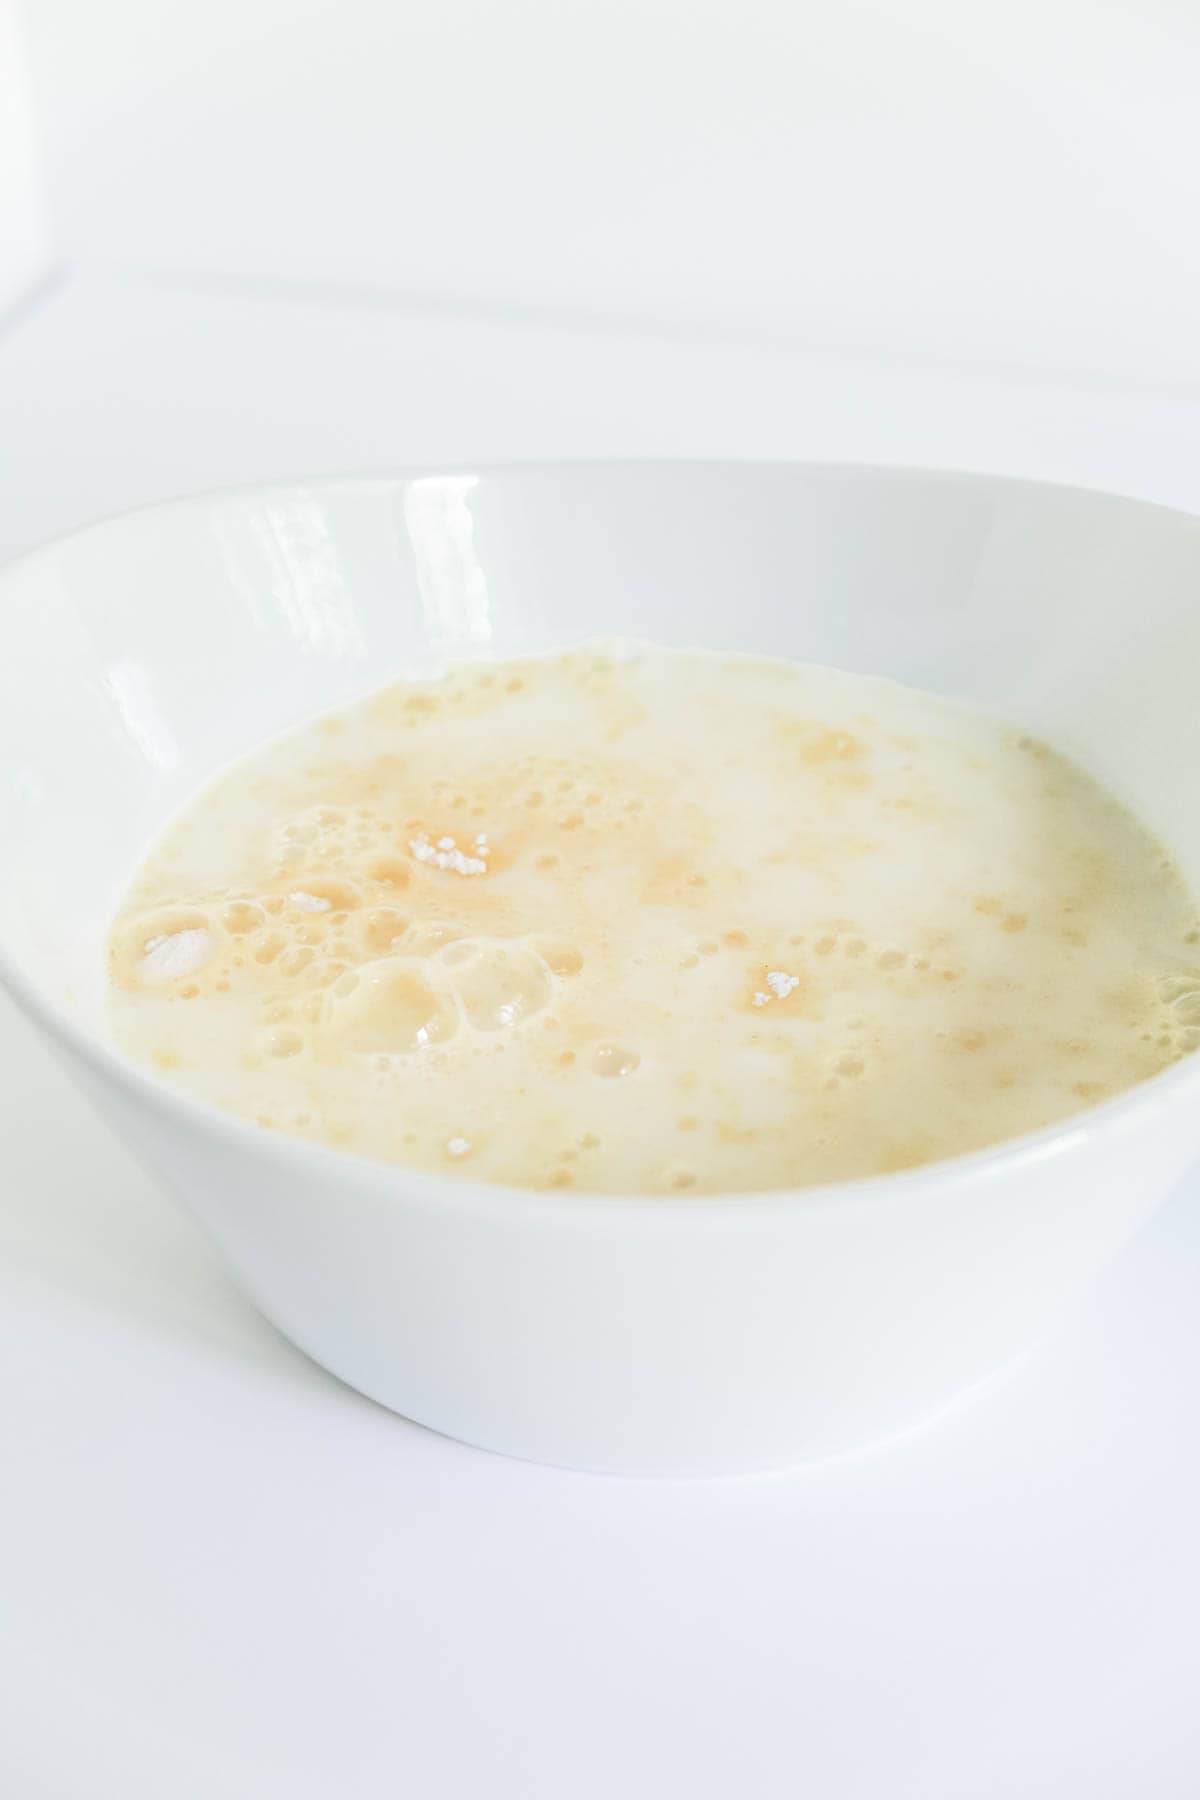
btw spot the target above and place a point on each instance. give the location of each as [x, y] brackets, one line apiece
[667, 922]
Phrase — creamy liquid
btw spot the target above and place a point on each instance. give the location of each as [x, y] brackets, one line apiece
[656, 922]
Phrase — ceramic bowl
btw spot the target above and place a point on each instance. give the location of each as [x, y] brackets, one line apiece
[636, 1333]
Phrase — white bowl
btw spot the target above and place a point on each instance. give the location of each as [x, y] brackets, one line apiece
[637, 1333]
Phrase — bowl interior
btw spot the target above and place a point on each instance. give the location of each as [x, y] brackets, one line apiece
[143, 653]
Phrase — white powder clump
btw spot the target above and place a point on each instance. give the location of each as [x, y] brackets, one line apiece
[458, 1146]
[447, 855]
[170, 955]
[312, 903]
[780, 984]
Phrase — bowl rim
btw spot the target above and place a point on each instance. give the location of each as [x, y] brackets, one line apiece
[1133, 1108]
[389, 475]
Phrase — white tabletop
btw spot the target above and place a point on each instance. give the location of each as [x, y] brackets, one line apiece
[223, 1576]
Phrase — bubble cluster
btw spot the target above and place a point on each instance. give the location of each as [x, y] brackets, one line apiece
[1179, 999]
[330, 958]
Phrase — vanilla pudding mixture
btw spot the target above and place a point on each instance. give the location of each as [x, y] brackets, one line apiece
[658, 922]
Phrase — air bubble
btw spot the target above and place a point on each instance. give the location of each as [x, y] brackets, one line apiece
[389, 871]
[395, 1008]
[501, 985]
[282, 1040]
[382, 929]
[1177, 987]
[295, 960]
[561, 959]
[1185, 1010]
[456, 956]
[614, 1060]
[267, 946]
[241, 916]
[890, 959]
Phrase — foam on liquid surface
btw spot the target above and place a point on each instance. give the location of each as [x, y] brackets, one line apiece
[671, 922]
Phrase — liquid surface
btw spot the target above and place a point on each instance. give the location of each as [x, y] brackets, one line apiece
[656, 922]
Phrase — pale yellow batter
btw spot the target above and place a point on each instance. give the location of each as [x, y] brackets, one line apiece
[657, 922]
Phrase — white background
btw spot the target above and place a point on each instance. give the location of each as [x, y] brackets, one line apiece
[22, 240]
[299, 237]
[1011, 182]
